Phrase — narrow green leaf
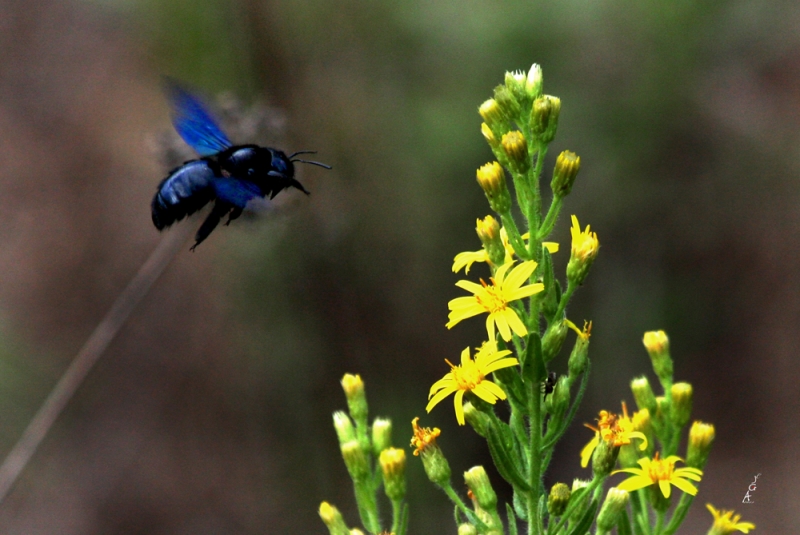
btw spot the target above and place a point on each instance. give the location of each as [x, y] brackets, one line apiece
[582, 527]
[533, 369]
[624, 524]
[512, 520]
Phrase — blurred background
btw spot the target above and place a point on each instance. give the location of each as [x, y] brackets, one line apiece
[210, 412]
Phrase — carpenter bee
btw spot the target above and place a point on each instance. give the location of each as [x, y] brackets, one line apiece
[230, 175]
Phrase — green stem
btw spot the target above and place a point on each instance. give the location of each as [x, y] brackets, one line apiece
[678, 515]
[550, 219]
[397, 514]
[562, 305]
[469, 513]
[659, 522]
[593, 484]
[367, 505]
[535, 457]
[514, 237]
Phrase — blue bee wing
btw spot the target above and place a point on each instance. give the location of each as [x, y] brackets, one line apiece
[236, 192]
[194, 124]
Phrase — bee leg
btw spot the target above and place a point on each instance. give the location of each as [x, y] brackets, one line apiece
[211, 222]
[235, 213]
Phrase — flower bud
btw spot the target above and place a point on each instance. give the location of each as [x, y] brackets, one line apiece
[604, 457]
[478, 482]
[558, 499]
[643, 424]
[515, 82]
[585, 246]
[381, 435]
[492, 180]
[579, 358]
[393, 466]
[356, 460]
[533, 83]
[488, 230]
[662, 408]
[516, 148]
[491, 139]
[479, 421]
[353, 388]
[467, 529]
[332, 518]
[356, 531]
[567, 166]
[701, 436]
[681, 404]
[344, 427]
[657, 345]
[615, 503]
[643, 394]
[544, 117]
[493, 116]
[507, 102]
[553, 340]
[436, 466]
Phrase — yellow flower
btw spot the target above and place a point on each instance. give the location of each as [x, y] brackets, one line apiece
[470, 376]
[424, 437]
[584, 243]
[467, 258]
[615, 429]
[725, 522]
[662, 472]
[494, 299]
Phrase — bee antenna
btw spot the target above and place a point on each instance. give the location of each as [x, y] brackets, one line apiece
[302, 152]
[313, 163]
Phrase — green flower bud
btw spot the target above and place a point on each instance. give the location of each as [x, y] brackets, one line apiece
[467, 529]
[533, 83]
[567, 166]
[479, 421]
[393, 466]
[492, 179]
[353, 388]
[701, 436]
[558, 499]
[333, 519]
[488, 230]
[515, 82]
[516, 149]
[493, 116]
[493, 142]
[553, 340]
[436, 466]
[662, 410]
[681, 404]
[604, 457]
[579, 358]
[356, 460]
[578, 484]
[478, 482]
[657, 345]
[544, 117]
[507, 102]
[615, 503]
[643, 394]
[381, 435]
[344, 427]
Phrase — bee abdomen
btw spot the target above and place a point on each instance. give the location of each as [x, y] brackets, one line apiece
[184, 191]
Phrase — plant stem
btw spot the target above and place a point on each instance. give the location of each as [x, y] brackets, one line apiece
[535, 459]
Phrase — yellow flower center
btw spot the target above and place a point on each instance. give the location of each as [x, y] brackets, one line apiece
[491, 298]
[466, 376]
[659, 470]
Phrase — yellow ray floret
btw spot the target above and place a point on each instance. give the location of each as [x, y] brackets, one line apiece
[661, 472]
[618, 430]
[470, 376]
[467, 258]
[725, 522]
[506, 286]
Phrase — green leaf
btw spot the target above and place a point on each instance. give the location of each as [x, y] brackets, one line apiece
[512, 520]
[624, 524]
[533, 369]
[582, 527]
[505, 457]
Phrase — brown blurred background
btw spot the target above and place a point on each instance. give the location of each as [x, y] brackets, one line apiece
[210, 413]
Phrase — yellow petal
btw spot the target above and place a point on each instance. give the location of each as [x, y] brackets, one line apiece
[465, 356]
[519, 275]
[684, 485]
[514, 322]
[666, 490]
[466, 259]
[635, 483]
[499, 365]
[484, 393]
[501, 272]
[490, 327]
[458, 400]
[444, 382]
[551, 246]
[525, 291]
[493, 388]
[502, 325]
[439, 397]
[469, 286]
[588, 449]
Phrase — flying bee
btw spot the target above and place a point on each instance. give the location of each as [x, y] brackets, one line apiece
[230, 175]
